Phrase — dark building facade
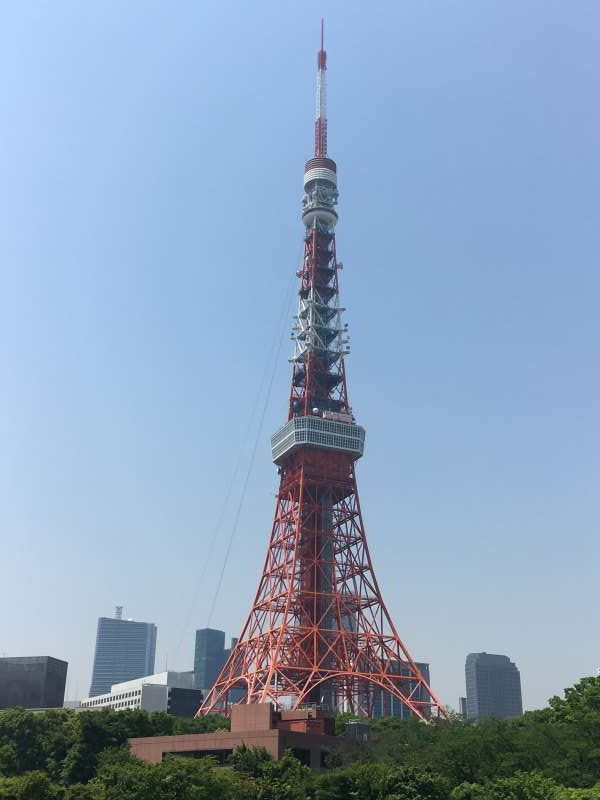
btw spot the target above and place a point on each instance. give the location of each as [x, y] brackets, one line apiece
[386, 705]
[183, 702]
[209, 657]
[124, 650]
[493, 687]
[32, 682]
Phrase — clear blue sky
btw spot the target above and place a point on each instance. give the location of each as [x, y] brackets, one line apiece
[151, 162]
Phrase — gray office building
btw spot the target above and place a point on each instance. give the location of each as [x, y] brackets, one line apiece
[32, 682]
[125, 650]
[493, 687]
[209, 657]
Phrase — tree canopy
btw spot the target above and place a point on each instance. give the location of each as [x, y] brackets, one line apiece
[552, 754]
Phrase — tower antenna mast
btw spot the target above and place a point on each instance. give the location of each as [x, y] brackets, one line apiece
[321, 106]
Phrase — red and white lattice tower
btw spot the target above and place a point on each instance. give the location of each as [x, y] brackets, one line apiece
[318, 631]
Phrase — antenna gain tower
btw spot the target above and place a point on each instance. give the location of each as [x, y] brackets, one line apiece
[318, 631]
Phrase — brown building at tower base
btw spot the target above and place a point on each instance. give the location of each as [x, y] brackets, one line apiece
[308, 733]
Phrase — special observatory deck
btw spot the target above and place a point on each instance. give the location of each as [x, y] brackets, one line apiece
[317, 432]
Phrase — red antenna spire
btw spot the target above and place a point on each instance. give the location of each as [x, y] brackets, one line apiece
[321, 112]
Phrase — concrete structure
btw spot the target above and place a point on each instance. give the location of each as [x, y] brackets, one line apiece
[462, 707]
[32, 682]
[306, 732]
[386, 704]
[125, 650]
[493, 687]
[171, 692]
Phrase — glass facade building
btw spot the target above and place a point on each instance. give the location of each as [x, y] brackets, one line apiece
[32, 682]
[124, 650]
[387, 705]
[209, 657]
[493, 687]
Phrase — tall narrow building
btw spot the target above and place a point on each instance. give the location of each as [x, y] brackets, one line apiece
[125, 650]
[209, 657]
[493, 687]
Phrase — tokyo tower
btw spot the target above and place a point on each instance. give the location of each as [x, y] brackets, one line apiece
[318, 631]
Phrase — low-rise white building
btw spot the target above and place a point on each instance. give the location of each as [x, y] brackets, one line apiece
[171, 692]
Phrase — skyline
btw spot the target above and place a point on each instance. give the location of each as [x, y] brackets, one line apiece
[121, 409]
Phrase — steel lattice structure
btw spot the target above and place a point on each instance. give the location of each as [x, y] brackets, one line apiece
[318, 631]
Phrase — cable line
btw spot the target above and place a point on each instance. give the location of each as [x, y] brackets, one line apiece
[234, 476]
[253, 454]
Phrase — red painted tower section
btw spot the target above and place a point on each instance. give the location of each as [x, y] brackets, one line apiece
[318, 631]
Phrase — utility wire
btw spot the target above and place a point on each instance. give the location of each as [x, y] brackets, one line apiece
[254, 449]
[235, 473]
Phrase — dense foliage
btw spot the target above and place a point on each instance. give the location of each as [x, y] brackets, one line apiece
[553, 754]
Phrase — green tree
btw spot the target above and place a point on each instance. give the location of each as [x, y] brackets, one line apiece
[34, 741]
[97, 731]
[334, 785]
[174, 779]
[205, 724]
[579, 794]
[581, 701]
[380, 782]
[31, 786]
[94, 790]
[286, 779]
[520, 786]
[8, 759]
[250, 760]
[67, 745]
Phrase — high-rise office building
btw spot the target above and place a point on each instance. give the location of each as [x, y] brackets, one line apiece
[462, 707]
[385, 704]
[209, 657]
[32, 682]
[493, 687]
[124, 650]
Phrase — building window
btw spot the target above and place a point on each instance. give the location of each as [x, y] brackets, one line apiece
[302, 754]
[221, 756]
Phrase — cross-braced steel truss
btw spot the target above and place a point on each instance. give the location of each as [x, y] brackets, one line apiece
[318, 631]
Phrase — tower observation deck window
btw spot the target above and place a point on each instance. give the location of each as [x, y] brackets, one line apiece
[318, 432]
